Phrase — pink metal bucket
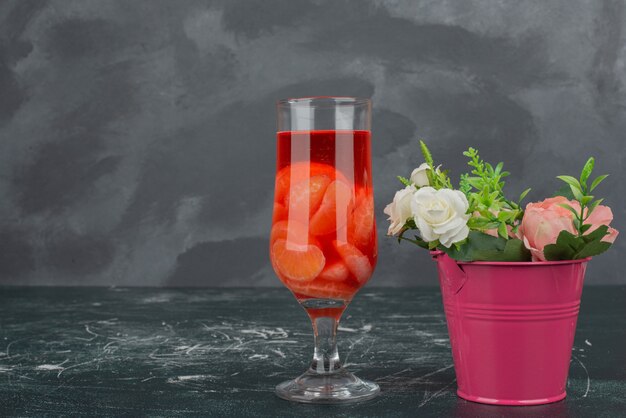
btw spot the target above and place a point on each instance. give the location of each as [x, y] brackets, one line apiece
[511, 327]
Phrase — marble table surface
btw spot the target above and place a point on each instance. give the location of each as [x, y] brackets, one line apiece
[220, 352]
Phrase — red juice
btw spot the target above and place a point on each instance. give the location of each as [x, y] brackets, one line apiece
[323, 240]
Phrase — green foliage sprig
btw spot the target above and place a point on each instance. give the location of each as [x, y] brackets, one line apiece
[436, 178]
[404, 181]
[484, 191]
[581, 193]
[582, 245]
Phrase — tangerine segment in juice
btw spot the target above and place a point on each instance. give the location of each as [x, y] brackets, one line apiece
[323, 238]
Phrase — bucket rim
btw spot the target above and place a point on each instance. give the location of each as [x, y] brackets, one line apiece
[515, 263]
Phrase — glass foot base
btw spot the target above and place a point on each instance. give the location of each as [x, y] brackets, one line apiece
[336, 388]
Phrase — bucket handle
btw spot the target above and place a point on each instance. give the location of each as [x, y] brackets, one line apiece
[452, 274]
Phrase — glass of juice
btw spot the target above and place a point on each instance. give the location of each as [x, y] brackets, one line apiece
[323, 238]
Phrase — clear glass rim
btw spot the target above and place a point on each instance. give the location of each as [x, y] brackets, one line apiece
[323, 101]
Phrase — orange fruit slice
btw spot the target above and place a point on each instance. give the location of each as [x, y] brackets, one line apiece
[323, 289]
[361, 228]
[357, 262]
[279, 231]
[336, 272]
[296, 172]
[295, 232]
[305, 196]
[296, 262]
[299, 236]
[334, 210]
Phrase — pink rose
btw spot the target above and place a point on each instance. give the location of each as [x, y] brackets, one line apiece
[602, 215]
[544, 221]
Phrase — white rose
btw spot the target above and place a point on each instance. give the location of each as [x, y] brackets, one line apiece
[440, 214]
[419, 177]
[399, 210]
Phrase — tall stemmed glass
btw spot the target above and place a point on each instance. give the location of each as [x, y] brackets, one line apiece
[323, 239]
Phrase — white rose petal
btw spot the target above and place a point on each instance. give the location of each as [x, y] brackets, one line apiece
[399, 210]
[450, 238]
[419, 176]
[426, 230]
[440, 215]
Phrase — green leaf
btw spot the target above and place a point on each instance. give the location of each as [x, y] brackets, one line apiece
[586, 199]
[586, 172]
[568, 207]
[585, 228]
[592, 249]
[578, 194]
[478, 222]
[475, 242]
[483, 247]
[566, 246]
[523, 195]
[596, 234]
[576, 223]
[592, 206]
[404, 181]
[570, 247]
[417, 241]
[571, 181]
[492, 225]
[502, 231]
[498, 168]
[426, 153]
[464, 186]
[553, 252]
[431, 178]
[410, 223]
[597, 181]
[475, 182]
[515, 250]
[505, 215]
[569, 240]
[433, 244]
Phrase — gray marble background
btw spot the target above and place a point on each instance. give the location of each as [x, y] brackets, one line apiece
[137, 137]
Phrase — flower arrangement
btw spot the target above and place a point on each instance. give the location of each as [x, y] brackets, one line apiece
[477, 222]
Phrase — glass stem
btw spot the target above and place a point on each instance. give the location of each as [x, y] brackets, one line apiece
[326, 357]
